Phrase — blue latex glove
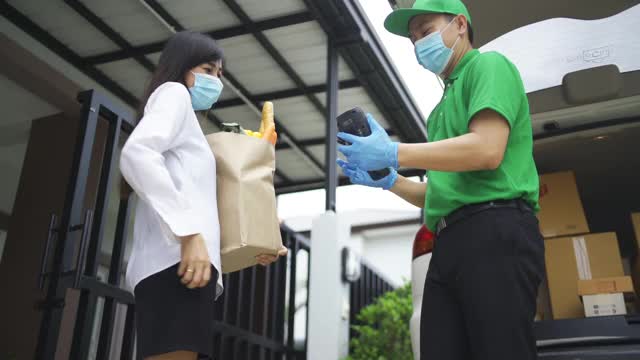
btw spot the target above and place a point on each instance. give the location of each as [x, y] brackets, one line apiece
[373, 152]
[361, 177]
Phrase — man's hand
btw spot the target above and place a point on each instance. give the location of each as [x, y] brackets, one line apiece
[360, 177]
[373, 152]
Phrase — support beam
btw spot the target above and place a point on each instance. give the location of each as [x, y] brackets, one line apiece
[275, 54]
[45, 38]
[319, 183]
[239, 30]
[40, 78]
[317, 141]
[163, 15]
[371, 65]
[108, 31]
[331, 153]
[288, 93]
[283, 132]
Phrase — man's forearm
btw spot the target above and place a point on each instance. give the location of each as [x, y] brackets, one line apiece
[411, 191]
[463, 153]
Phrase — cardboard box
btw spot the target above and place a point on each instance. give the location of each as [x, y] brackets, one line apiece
[561, 212]
[635, 220]
[635, 274]
[635, 265]
[605, 296]
[604, 305]
[570, 259]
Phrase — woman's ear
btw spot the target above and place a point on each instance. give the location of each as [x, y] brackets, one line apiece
[189, 79]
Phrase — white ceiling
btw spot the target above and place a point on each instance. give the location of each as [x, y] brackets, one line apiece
[303, 46]
[64, 26]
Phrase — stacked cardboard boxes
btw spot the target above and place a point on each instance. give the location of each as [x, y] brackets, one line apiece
[635, 220]
[577, 262]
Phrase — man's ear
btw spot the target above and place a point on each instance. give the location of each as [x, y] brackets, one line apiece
[463, 25]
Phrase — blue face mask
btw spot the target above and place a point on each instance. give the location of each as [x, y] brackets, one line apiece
[432, 53]
[205, 91]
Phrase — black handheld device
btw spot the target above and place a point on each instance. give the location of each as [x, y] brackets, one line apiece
[355, 122]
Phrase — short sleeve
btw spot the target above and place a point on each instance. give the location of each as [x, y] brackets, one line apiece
[493, 82]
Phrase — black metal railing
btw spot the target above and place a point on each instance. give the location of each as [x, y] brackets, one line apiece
[255, 317]
[365, 291]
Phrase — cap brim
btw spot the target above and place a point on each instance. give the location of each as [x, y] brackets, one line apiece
[398, 21]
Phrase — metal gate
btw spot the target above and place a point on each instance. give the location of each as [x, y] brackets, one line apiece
[255, 317]
[78, 237]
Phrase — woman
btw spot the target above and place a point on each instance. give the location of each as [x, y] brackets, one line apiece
[174, 267]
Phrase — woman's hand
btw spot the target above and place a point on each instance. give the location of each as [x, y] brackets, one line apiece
[195, 266]
[266, 259]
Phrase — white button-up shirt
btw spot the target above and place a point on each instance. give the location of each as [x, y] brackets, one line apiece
[169, 164]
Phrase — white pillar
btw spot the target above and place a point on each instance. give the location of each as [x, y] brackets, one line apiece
[328, 337]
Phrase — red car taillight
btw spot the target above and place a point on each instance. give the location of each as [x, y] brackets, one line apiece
[423, 243]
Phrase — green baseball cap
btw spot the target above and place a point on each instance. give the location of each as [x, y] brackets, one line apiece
[398, 21]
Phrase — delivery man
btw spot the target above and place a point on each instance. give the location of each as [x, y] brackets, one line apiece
[481, 194]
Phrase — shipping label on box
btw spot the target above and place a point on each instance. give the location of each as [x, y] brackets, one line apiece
[561, 212]
[604, 305]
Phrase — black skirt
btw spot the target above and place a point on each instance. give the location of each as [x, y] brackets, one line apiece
[171, 317]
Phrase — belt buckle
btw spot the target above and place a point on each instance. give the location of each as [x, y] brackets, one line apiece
[442, 224]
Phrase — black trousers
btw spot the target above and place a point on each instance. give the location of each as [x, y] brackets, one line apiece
[480, 293]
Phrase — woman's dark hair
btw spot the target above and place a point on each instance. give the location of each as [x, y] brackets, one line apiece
[184, 51]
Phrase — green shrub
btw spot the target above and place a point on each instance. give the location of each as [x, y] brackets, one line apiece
[383, 330]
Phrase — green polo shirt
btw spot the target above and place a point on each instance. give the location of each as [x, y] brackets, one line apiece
[482, 81]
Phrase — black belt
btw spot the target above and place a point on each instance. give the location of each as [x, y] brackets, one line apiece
[470, 210]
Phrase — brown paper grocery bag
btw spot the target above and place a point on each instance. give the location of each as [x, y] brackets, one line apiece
[249, 223]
